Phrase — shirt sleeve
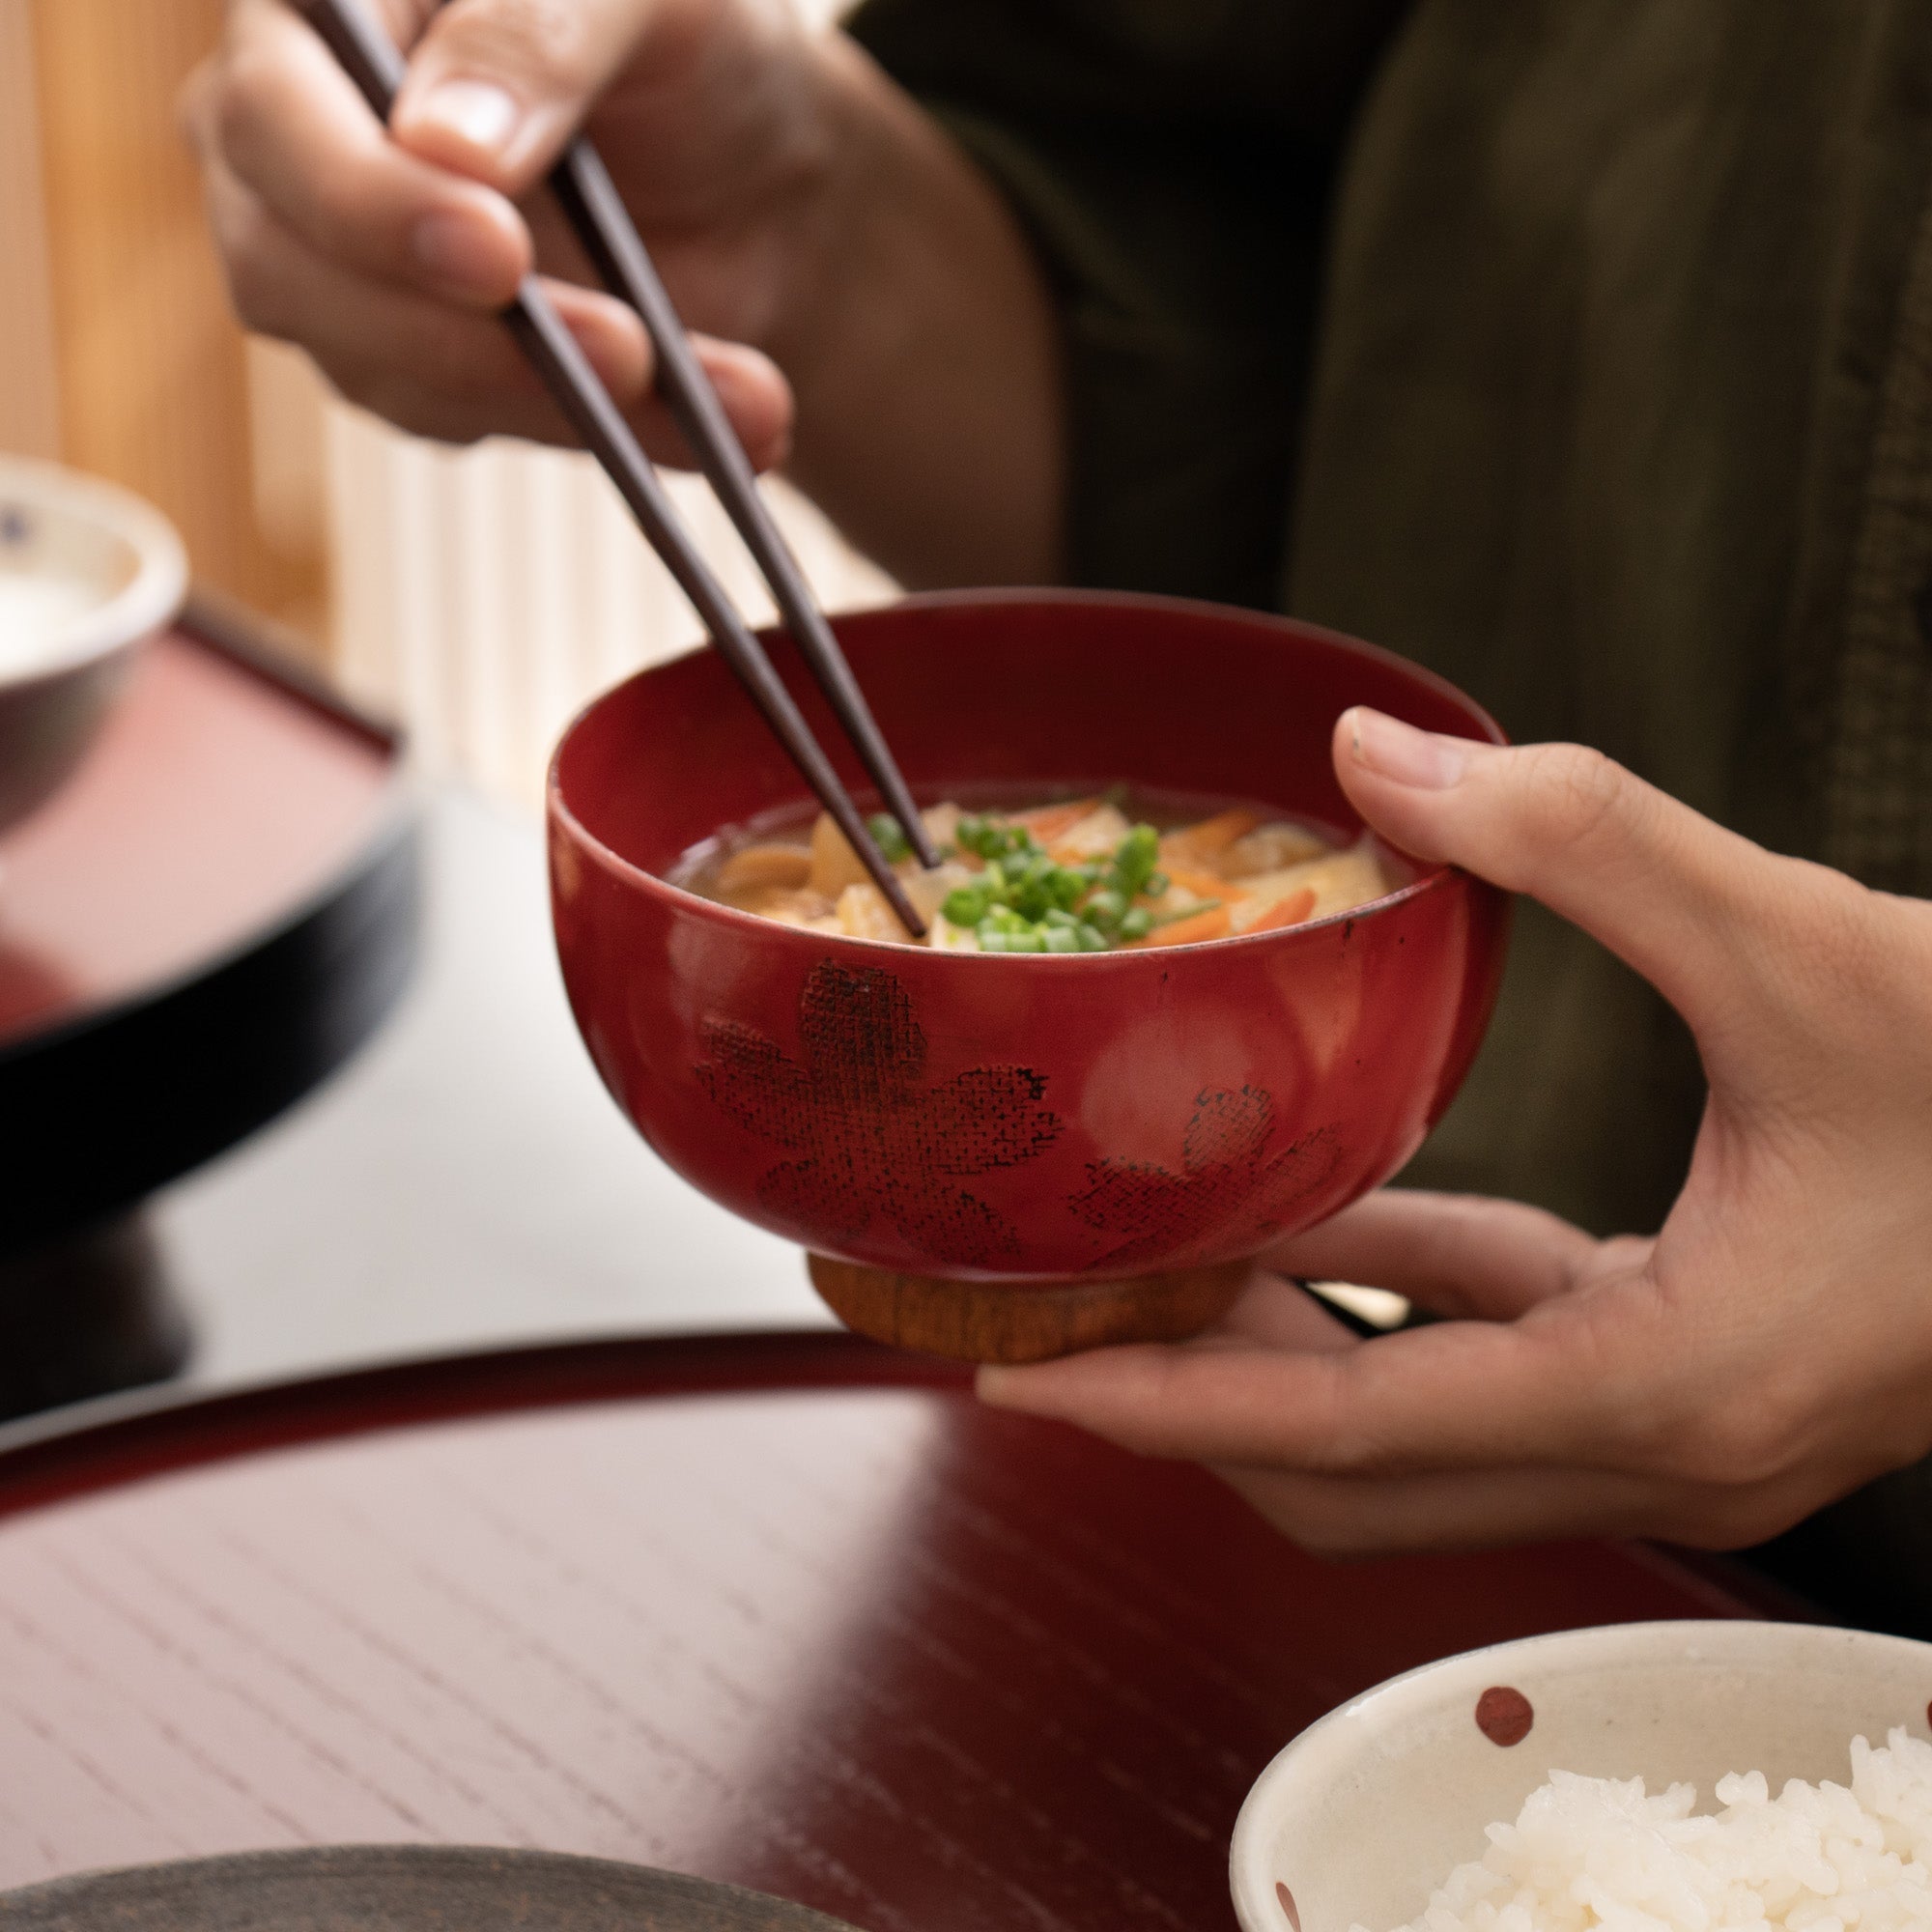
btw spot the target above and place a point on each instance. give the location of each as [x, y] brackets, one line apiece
[1170, 162]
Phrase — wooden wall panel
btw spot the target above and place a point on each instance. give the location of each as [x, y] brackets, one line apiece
[29, 405]
[154, 386]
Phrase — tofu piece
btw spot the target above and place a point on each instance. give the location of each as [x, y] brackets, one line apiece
[1098, 836]
[946, 937]
[834, 864]
[942, 822]
[927, 891]
[757, 867]
[789, 905]
[1049, 823]
[863, 914]
[1270, 848]
[1204, 885]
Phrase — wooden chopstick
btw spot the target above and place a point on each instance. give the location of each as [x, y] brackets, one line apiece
[602, 225]
[373, 62]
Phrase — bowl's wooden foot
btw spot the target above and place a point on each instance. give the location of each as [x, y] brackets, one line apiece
[1023, 1320]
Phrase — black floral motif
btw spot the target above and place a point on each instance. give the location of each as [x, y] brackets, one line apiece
[1230, 1187]
[872, 1137]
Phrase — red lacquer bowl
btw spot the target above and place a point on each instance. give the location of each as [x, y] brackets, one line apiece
[973, 1116]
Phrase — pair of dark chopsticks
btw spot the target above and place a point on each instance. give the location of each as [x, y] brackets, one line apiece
[597, 215]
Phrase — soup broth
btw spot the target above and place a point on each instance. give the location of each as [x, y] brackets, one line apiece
[1089, 874]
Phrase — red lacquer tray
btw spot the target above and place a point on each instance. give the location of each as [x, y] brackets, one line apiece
[207, 919]
[792, 1612]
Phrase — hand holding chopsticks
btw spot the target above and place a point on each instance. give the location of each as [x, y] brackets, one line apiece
[595, 211]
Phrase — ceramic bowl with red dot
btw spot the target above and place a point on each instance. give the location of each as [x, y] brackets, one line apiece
[1360, 1818]
[1046, 1118]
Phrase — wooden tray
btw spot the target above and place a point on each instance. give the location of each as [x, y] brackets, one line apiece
[791, 1612]
[208, 918]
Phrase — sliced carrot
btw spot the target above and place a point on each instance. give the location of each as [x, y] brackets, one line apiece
[1197, 925]
[1212, 835]
[1048, 822]
[1289, 911]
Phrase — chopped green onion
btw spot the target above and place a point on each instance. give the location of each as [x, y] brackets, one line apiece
[1135, 859]
[888, 837]
[966, 905]
[1105, 909]
[1090, 940]
[1061, 939]
[1137, 924]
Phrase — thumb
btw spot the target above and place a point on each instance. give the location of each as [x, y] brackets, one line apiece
[1673, 894]
[497, 88]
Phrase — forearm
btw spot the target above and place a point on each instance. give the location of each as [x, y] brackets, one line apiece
[920, 340]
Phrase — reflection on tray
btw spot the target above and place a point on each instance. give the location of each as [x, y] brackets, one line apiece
[31, 986]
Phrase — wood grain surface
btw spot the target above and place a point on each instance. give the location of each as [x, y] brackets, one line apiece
[153, 381]
[855, 1641]
[212, 802]
[1021, 1320]
[29, 395]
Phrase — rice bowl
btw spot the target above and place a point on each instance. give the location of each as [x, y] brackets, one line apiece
[1369, 1814]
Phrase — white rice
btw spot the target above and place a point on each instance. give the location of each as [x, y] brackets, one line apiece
[1588, 1852]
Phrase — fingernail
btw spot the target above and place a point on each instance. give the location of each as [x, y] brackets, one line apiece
[477, 112]
[1393, 750]
[455, 250]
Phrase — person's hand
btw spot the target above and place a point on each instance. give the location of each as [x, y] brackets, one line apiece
[1768, 1350]
[807, 217]
[388, 258]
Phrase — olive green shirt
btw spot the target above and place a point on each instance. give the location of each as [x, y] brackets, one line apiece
[1580, 349]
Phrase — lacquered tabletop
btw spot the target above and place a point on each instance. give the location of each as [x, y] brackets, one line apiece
[212, 915]
[789, 1611]
[214, 800]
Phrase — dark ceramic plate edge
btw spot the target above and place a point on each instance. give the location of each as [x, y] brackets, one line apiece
[397, 1889]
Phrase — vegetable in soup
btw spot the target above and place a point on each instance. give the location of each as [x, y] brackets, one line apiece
[1083, 875]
